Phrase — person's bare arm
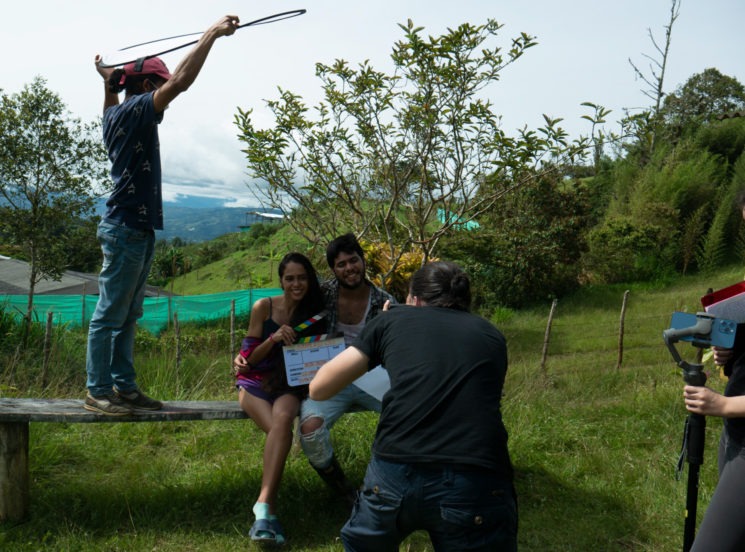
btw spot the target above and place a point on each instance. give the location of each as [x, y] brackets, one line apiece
[337, 373]
[189, 67]
[110, 98]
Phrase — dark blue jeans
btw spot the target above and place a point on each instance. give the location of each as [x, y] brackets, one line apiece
[461, 509]
[127, 256]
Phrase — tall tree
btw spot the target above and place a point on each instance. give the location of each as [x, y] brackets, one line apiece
[646, 127]
[704, 96]
[402, 158]
[50, 165]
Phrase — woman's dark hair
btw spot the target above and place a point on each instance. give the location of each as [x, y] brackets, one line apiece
[133, 84]
[312, 303]
[442, 284]
[343, 244]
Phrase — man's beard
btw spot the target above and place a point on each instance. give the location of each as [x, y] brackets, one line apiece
[345, 285]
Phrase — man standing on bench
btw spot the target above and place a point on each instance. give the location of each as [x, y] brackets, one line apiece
[352, 300]
[133, 212]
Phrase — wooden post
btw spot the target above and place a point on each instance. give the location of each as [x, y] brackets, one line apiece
[14, 487]
[621, 329]
[177, 331]
[232, 329]
[82, 313]
[546, 336]
[47, 348]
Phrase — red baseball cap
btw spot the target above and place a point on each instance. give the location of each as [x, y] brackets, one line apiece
[147, 66]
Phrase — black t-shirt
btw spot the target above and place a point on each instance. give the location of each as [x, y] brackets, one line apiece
[447, 370]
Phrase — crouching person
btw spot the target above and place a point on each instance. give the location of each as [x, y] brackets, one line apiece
[440, 461]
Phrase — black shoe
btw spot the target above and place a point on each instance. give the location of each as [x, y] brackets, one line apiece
[138, 400]
[334, 477]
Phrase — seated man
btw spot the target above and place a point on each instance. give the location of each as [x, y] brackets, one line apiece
[352, 300]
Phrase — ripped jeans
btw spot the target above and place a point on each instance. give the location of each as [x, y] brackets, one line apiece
[461, 508]
[317, 444]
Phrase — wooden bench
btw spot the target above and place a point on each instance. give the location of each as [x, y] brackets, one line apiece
[16, 414]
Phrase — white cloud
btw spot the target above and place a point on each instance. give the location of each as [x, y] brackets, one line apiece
[582, 55]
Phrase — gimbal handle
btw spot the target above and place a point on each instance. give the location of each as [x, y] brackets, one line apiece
[693, 374]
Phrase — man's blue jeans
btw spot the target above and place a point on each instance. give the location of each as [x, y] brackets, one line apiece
[128, 254]
[317, 445]
[461, 509]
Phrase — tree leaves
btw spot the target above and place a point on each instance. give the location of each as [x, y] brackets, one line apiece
[51, 168]
[382, 153]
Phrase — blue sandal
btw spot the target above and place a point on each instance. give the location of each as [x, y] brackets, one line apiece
[267, 531]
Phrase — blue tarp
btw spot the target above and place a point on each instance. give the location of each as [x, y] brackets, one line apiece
[444, 216]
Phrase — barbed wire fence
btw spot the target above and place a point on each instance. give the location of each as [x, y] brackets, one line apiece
[631, 338]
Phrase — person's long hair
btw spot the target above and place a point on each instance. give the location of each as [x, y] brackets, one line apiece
[442, 284]
[312, 302]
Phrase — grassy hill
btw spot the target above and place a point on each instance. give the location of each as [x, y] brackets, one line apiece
[217, 277]
[252, 263]
[594, 444]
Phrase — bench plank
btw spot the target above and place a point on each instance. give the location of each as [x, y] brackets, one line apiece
[72, 411]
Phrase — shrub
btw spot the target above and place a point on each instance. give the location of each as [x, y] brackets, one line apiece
[624, 249]
[717, 247]
[725, 138]
[379, 260]
[526, 249]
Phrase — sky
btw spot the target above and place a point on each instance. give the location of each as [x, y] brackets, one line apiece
[583, 53]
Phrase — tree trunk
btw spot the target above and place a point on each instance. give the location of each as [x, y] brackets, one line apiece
[30, 305]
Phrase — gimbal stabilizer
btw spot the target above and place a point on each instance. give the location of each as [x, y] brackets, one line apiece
[699, 335]
[702, 330]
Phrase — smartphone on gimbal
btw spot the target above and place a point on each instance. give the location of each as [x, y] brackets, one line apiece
[722, 332]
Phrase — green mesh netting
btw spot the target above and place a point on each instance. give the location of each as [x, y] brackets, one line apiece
[158, 311]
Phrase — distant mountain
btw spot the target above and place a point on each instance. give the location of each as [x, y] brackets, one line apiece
[198, 224]
[198, 219]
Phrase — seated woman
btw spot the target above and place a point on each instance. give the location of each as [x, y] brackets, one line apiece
[263, 392]
[440, 461]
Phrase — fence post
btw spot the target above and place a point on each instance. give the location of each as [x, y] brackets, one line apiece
[47, 348]
[546, 336]
[621, 328]
[232, 329]
[177, 332]
[82, 314]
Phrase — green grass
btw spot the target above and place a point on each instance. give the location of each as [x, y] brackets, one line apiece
[594, 446]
